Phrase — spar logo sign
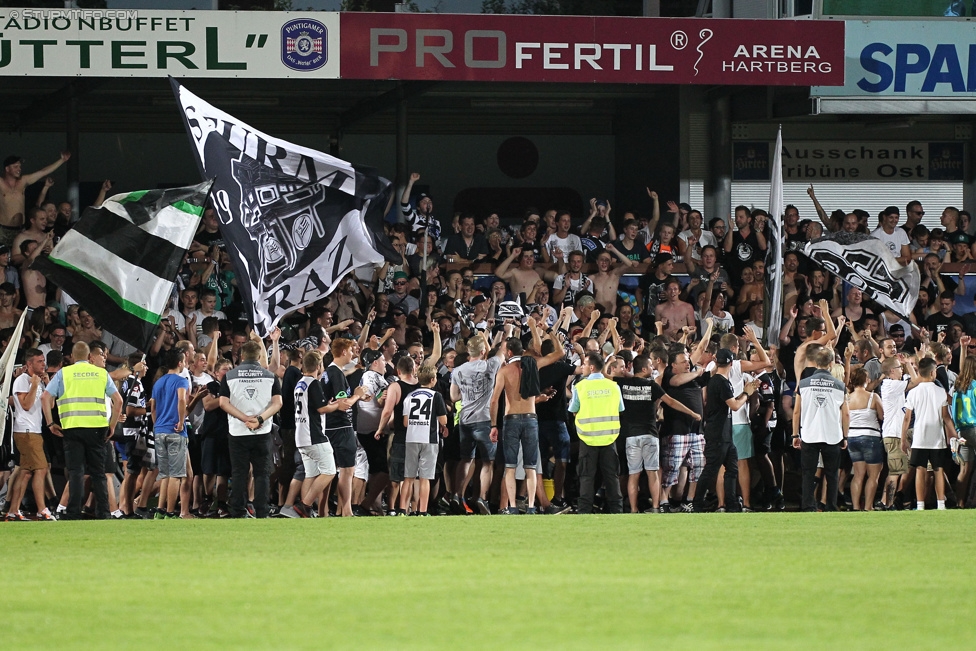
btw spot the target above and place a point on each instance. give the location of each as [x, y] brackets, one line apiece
[304, 44]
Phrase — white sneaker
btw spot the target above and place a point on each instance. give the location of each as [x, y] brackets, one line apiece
[117, 514]
[288, 512]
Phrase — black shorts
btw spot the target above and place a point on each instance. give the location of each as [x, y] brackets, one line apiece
[343, 446]
[451, 447]
[846, 463]
[134, 461]
[111, 462]
[194, 450]
[375, 453]
[923, 456]
[215, 456]
[398, 454]
[762, 442]
[290, 458]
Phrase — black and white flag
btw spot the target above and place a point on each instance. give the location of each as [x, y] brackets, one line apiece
[867, 263]
[295, 221]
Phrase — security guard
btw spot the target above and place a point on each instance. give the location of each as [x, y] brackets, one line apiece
[80, 391]
[597, 404]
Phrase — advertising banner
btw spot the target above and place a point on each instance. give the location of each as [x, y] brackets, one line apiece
[902, 59]
[471, 47]
[137, 43]
[852, 161]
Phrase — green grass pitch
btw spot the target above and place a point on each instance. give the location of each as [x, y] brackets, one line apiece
[818, 581]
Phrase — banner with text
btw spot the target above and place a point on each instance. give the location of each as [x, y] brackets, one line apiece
[471, 47]
[908, 59]
[852, 161]
[185, 44]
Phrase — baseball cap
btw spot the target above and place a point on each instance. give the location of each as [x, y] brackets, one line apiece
[724, 357]
[400, 274]
[369, 356]
[10, 160]
[4, 249]
[478, 300]
[422, 196]
[959, 238]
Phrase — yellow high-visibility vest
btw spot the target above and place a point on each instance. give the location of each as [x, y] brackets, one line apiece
[83, 402]
[598, 419]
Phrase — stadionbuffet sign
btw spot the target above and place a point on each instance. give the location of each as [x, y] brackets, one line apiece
[472, 47]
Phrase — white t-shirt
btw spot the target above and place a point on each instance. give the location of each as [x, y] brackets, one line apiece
[894, 241]
[27, 421]
[926, 402]
[201, 316]
[723, 324]
[707, 238]
[567, 244]
[574, 286]
[893, 404]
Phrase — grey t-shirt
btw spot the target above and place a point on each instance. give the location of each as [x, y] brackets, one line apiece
[476, 380]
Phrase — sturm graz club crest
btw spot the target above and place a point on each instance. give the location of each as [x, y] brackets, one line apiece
[280, 216]
[304, 44]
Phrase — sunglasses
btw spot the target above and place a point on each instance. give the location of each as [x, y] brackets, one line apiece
[400, 282]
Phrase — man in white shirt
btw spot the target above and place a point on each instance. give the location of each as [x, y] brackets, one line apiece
[27, 421]
[895, 238]
[820, 423]
[695, 238]
[561, 243]
[927, 403]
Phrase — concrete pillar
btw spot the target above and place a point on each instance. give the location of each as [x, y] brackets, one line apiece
[402, 150]
[718, 182]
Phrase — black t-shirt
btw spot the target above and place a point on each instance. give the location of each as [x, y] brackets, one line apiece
[641, 396]
[592, 246]
[336, 387]
[745, 251]
[939, 322]
[399, 429]
[215, 422]
[288, 381]
[638, 252]
[210, 239]
[786, 354]
[688, 394]
[718, 415]
[554, 376]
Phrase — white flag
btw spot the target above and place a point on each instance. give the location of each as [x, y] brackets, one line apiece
[7, 363]
[773, 308]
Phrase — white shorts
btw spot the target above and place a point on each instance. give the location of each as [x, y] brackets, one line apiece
[318, 460]
[362, 463]
[643, 453]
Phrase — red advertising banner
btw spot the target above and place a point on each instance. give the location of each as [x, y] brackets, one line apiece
[473, 47]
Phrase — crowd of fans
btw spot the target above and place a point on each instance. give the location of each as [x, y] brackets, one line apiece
[659, 297]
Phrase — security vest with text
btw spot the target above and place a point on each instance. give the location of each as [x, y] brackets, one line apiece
[83, 401]
[598, 419]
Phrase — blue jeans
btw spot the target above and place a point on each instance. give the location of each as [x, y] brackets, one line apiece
[554, 438]
[524, 429]
[475, 438]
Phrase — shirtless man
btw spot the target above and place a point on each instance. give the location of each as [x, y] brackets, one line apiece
[9, 314]
[34, 282]
[674, 313]
[12, 186]
[36, 230]
[521, 422]
[524, 277]
[606, 281]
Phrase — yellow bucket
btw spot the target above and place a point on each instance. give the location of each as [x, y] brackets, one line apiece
[549, 487]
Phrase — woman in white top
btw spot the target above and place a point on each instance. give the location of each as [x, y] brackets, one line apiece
[864, 440]
[723, 321]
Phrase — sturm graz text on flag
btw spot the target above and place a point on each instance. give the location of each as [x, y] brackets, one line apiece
[866, 263]
[295, 221]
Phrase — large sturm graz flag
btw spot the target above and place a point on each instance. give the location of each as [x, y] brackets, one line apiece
[295, 221]
[121, 259]
[866, 263]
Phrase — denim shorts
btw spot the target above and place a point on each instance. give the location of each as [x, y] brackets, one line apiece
[521, 429]
[398, 456]
[171, 455]
[869, 449]
[643, 453]
[554, 440]
[474, 438]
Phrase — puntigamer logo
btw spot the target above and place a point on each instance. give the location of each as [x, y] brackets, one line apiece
[304, 44]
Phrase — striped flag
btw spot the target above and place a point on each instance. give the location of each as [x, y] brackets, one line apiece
[121, 259]
[773, 307]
